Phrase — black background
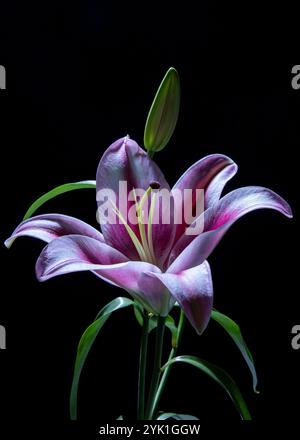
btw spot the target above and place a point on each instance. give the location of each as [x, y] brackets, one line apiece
[78, 78]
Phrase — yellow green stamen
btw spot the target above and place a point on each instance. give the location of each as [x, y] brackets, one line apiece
[144, 247]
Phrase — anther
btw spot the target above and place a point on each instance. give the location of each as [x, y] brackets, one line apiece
[154, 185]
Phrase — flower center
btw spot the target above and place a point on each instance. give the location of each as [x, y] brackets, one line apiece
[144, 245]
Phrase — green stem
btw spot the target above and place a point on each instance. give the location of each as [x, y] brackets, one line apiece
[166, 372]
[180, 327]
[157, 365]
[142, 368]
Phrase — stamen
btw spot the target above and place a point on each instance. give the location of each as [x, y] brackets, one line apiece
[131, 234]
[150, 222]
[145, 197]
[145, 248]
[141, 224]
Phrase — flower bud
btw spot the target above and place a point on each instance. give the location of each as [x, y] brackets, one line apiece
[163, 114]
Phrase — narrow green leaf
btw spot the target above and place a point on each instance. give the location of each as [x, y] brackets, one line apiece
[170, 323]
[57, 191]
[235, 333]
[120, 418]
[86, 343]
[163, 114]
[221, 377]
[165, 416]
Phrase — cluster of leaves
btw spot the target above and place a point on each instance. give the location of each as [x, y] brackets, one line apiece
[216, 373]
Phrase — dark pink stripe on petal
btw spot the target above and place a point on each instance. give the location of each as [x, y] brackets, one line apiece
[243, 200]
[75, 253]
[189, 251]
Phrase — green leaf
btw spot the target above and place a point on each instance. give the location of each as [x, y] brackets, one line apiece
[221, 377]
[86, 342]
[120, 418]
[234, 331]
[164, 416]
[163, 114]
[170, 323]
[57, 191]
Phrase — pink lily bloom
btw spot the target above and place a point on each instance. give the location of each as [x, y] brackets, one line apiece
[157, 264]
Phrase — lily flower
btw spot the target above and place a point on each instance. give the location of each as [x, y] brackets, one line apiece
[156, 263]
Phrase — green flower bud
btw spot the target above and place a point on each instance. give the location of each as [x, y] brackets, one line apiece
[163, 114]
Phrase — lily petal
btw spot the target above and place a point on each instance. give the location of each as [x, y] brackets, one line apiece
[217, 221]
[243, 200]
[193, 290]
[209, 174]
[155, 291]
[123, 161]
[215, 187]
[47, 227]
[75, 253]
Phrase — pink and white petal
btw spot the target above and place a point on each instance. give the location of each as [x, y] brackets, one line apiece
[75, 253]
[158, 296]
[150, 292]
[243, 200]
[125, 161]
[189, 251]
[215, 187]
[47, 227]
[193, 289]
[187, 254]
[203, 175]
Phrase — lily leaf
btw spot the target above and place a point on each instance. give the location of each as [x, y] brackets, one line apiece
[86, 342]
[57, 191]
[163, 114]
[221, 377]
[170, 323]
[234, 331]
[165, 416]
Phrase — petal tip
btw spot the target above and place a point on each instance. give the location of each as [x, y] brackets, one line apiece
[285, 208]
[289, 212]
[8, 242]
[40, 273]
